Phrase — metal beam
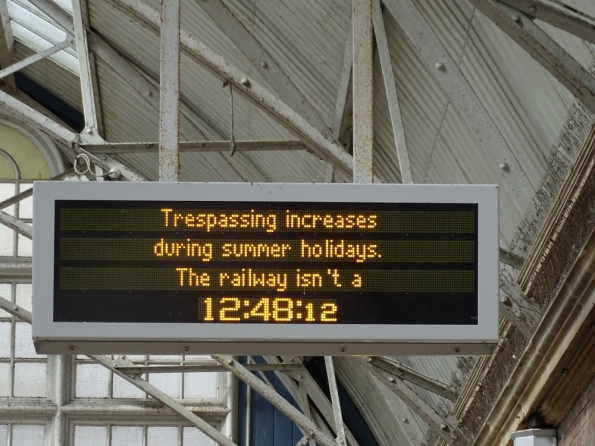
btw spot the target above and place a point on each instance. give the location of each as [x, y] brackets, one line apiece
[391, 95]
[464, 98]
[66, 138]
[15, 310]
[16, 224]
[6, 43]
[202, 367]
[539, 45]
[87, 78]
[334, 391]
[196, 146]
[16, 267]
[405, 373]
[435, 422]
[304, 389]
[274, 398]
[263, 62]
[323, 147]
[510, 259]
[169, 92]
[555, 17]
[34, 58]
[27, 193]
[363, 92]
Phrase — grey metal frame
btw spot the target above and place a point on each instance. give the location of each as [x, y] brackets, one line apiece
[62, 337]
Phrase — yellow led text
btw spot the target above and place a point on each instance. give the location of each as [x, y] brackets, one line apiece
[254, 250]
[190, 278]
[210, 221]
[308, 280]
[184, 249]
[246, 279]
[340, 250]
[313, 221]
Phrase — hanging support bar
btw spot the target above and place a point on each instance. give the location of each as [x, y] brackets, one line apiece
[34, 58]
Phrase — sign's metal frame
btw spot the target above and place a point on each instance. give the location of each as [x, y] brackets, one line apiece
[259, 339]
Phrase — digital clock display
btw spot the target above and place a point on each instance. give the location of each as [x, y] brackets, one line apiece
[266, 262]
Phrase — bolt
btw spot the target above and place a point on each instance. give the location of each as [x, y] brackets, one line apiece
[264, 64]
[230, 361]
[71, 347]
[505, 300]
[89, 131]
[532, 9]
[300, 377]
[392, 380]
[149, 93]
[343, 350]
[440, 66]
[516, 18]
[504, 167]
[443, 427]
[404, 420]
[104, 157]
[186, 349]
[16, 308]
[369, 359]
[133, 376]
[245, 82]
[457, 350]
[114, 173]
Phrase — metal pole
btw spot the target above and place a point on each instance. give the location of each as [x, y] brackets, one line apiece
[169, 112]
[363, 58]
[332, 385]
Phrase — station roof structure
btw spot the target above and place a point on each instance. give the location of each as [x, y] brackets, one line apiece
[464, 92]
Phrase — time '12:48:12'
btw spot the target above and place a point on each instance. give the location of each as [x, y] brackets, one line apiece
[265, 309]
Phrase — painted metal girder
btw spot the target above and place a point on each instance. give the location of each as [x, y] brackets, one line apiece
[539, 45]
[573, 24]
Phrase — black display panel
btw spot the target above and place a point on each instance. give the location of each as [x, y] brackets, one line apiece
[266, 262]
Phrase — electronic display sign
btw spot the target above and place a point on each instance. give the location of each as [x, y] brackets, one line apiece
[264, 268]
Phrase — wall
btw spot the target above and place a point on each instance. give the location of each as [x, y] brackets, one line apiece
[578, 428]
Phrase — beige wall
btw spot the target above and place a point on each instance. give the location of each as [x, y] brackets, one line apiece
[578, 428]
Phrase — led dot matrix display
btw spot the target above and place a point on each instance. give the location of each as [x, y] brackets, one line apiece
[267, 262]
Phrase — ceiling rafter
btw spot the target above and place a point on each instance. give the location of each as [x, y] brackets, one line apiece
[392, 95]
[33, 58]
[555, 17]
[87, 70]
[197, 146]
[442, 427]
[463, 97]
[342, 125]
[6, 44]
[67, 139]
[169, 92]
[539, 45]
[313, 391]
[323, 147]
